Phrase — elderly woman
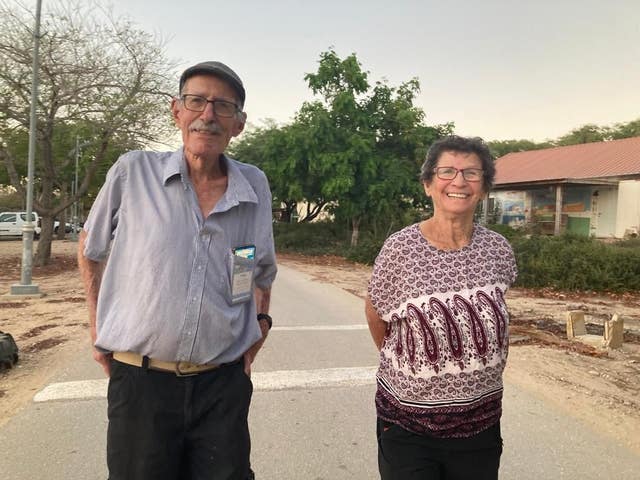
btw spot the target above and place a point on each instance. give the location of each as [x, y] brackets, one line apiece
[436, 312]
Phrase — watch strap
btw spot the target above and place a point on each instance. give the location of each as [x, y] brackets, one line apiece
[267, 317]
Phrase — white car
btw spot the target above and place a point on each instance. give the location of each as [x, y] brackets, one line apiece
[11, 223]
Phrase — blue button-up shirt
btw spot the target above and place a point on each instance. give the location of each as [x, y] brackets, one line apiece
[166, 288]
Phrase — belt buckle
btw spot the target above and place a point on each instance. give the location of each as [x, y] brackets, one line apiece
[180, 373]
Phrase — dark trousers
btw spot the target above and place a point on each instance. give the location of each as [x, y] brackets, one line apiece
[403, 455]
[164, 427]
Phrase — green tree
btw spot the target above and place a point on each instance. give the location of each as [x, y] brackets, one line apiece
[367, 143]
[342, 143]
[402, 139]
[273, 149]
[100, 78]
[585, 134]
[626, 130]
[355, 151]
[500, 148]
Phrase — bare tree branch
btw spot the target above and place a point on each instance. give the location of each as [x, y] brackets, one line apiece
[100, 78]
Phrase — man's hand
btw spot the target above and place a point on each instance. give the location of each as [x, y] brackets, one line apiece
[251, 354]
[91, 273]
[104, 359]
[262, 298]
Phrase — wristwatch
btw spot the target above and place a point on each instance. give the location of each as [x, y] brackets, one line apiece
[267, 317]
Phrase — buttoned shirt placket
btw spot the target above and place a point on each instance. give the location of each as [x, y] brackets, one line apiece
[196, 278]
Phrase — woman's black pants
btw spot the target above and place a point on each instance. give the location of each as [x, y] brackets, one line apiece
[403, 455]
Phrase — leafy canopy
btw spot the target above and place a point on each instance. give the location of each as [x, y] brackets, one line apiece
[356, 148]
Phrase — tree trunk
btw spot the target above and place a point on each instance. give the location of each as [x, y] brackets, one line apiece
[355, 231]
[62, 217]
[43, 253]
[290, 207]
[312, 213]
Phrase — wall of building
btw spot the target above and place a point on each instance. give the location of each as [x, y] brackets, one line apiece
[577, 207]
[628, 208]
[586, 210]
[604, 211]
[512, 209]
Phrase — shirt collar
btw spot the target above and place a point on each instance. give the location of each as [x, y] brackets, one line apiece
[175, 166]
[238, 187]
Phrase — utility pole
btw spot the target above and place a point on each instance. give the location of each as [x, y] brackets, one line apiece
[25, 287]
[74, 193]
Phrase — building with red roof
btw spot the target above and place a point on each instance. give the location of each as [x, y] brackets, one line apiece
[591, 188]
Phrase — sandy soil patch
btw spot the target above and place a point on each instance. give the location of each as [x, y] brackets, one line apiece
[47, 330]
[601, 388]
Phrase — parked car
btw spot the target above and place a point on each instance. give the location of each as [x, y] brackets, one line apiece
[11, 223]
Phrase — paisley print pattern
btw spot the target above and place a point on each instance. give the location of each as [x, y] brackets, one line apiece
[446, 345]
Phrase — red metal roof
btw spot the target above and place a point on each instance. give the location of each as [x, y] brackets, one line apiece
[585, 161]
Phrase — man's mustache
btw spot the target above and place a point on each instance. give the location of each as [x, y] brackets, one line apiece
[200, 125]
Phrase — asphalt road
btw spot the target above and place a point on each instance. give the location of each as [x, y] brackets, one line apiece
[312, 415]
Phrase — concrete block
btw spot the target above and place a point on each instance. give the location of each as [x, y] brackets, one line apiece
[613, 332]
[575, 324]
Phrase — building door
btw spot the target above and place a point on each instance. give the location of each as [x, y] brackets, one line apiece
[604, 207]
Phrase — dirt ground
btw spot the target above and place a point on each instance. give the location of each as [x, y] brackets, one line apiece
[599, 387]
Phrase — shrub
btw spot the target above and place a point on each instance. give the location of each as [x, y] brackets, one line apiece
[366, 252]
[573, 262]
[566, 262]
[319, 238]
[629, 243]
[506, 231]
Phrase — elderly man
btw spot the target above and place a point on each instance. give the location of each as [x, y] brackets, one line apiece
[177, 259]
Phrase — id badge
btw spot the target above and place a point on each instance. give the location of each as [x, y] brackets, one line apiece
[243, 259]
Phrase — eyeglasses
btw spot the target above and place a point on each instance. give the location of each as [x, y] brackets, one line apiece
[469, 174]
[221, 108]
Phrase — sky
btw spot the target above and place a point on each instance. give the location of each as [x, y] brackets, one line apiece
[499, 69]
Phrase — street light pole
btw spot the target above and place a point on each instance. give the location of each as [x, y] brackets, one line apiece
[74, 233]
[25, 287]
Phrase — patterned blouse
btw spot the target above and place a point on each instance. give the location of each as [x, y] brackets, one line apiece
[447, 338]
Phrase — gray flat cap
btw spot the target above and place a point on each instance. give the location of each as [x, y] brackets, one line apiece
[218, 69]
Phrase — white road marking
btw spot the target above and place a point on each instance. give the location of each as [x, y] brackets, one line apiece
[326, 377]
[73, 390]
[262, 381]
[302, 328]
